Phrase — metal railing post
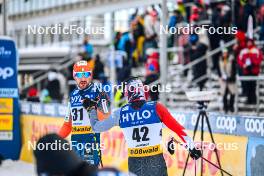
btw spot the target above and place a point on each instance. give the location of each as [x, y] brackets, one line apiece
[39, 86]
[236, 96]
[258, 98]
[163, 52]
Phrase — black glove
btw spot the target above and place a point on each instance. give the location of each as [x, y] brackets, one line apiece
[103, 102]
[89, 104]
[170, 146]
[195, 154]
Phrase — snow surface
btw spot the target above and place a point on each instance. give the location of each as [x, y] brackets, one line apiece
[16, 168]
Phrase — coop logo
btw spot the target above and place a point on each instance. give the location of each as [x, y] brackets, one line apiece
[255, 126]
[180, 118]
[6, 72]
[49, 109]
[226, 123]
[4, 52]
[134, 116]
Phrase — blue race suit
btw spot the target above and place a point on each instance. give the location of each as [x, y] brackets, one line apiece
[85, 142]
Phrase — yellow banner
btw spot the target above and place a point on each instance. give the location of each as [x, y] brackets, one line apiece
[232, 149]
[232, 152]
[33, 127]
[6, 105]
[114, 149]
[6, 122]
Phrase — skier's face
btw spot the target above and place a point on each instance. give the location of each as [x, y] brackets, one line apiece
[83, 81]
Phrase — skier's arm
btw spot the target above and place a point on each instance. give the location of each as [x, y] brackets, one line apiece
[166, 117]
[104, 125]
[67, 125]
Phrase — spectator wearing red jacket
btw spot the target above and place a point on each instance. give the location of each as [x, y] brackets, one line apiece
[249, 60]
[152, 73]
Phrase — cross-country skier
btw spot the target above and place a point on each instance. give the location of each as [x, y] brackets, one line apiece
[141, 123]
[84, 141]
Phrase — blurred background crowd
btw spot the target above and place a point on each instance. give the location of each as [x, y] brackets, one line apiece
[220, 57]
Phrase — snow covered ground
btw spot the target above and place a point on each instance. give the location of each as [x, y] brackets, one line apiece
[16, 168]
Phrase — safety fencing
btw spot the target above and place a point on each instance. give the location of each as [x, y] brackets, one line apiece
[239, 140]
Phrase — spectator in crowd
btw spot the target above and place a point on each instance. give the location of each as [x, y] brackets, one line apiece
[249, 60]
[32, 94]
[261, 21]
[240, 44]
[117, 39]
[125, 45]
[221, 17]
[174, 19]
[137, 26]
[151, 27]
[197, 50]
[228, 80]
[61, 161]
[248, 10]
[133, 16]
[181, 8]
[215, 38]
[98, 67]
[123, 72]
[195, 14]
[44, 96]
[152, 73]
[88, 49]
[53, 86]
[183, 42]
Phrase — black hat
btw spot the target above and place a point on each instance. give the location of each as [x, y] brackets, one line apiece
[53, 158]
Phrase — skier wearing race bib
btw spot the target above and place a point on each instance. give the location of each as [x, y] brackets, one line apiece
[85, 142]
[141, 123]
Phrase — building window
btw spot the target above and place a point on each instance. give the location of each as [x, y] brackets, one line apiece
[60, 34]
[18, 37]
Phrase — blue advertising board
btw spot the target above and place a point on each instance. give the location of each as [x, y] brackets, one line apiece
[255, 155]
[10, 140]
[251, 126]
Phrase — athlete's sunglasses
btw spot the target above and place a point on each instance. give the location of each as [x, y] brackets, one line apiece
[83, 74]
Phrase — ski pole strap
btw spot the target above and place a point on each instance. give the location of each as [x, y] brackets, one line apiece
[204, 158]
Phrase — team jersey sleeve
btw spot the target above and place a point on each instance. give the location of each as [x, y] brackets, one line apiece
[104, 125]
[168, 120]
[66, 128]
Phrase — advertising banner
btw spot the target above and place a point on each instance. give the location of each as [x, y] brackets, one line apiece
[232, 152]
[33, 127]
[225, 124]
[232, 149]
[9, 108]
[255, 155]
[251, 126]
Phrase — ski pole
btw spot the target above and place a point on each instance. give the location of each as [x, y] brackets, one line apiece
[195, 167]
[203, 158]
